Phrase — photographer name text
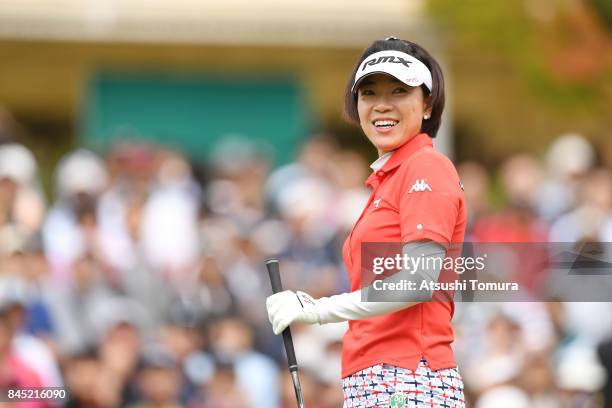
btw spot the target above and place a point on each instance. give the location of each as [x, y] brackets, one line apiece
[457, 285]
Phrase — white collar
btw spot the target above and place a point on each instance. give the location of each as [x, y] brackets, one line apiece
[380, 162]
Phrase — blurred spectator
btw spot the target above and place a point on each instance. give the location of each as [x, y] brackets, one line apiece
[22, 207]
[89, 382]
[15, 302]
[313, 161]
[605, 357]
[14, 371]
[148, 288]
[70, 229]
[502, 357]
[568, 158]
[80, 373]
[311, 390]
[119, 352]
[506, 396]
[518, 221]
[320, 355]
[169, 220]
[159, 382]
[476, 185]
[521, 177]
[223, 390]
[579, 375]
[75, 308]
[183, 338]
[538, 382]
[208, 293]
[240, 168]
[256, 374]
[593, 205]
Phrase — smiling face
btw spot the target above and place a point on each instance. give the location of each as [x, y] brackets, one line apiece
[390, 112]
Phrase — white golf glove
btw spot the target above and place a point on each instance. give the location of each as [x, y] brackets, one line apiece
[285, 308]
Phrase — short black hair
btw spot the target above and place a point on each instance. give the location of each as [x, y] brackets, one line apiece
[429, 126]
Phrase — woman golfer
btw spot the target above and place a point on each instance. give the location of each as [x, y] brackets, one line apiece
[396, 352]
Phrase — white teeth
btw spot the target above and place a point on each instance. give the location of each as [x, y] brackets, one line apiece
[385, 123]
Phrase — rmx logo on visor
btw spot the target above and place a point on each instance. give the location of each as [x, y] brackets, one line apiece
[390, 58]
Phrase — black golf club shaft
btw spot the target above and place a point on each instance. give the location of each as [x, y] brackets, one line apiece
[277, 286]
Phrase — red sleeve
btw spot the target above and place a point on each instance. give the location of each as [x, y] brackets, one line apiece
[429, 198]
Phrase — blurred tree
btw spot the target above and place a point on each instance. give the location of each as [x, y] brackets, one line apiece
[526, 71]
[604, 8]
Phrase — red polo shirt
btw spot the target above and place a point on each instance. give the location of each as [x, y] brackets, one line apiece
[416, 196]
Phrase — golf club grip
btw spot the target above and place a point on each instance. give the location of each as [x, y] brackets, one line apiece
[277, 286]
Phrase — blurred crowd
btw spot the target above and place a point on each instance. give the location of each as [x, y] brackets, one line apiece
[141, 282]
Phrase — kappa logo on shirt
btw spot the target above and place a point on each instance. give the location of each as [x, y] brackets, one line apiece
[419, 185]
[376, 203]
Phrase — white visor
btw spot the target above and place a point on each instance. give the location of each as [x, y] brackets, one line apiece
[400, 65]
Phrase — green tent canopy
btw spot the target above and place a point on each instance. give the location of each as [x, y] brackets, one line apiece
[195, 113]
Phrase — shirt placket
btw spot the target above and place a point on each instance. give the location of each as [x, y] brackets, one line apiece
[375, 182]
